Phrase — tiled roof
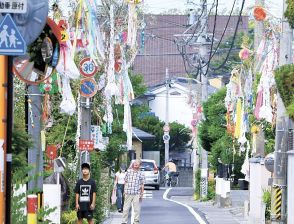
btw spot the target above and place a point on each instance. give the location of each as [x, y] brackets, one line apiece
[142, 135]
[160, 51]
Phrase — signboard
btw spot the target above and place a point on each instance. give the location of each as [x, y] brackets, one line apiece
[51, 154]
[88, 87]
[166, 138]
[96, 135]
[13, 6]
[166, 128]
[11, 41]
[88, 67]
[86, 145]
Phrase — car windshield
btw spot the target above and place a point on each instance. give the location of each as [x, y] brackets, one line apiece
[147, 166]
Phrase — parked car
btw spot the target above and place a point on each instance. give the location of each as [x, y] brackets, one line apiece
[151, 172]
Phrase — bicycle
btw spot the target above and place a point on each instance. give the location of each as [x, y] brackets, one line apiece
[171, 180]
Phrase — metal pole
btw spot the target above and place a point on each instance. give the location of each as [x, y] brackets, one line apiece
[35, 154]
[166, 142]
[3, 130]
[279, 196]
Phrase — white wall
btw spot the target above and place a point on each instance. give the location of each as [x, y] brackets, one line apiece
[179, 110]
[258, 183]
[52, 199]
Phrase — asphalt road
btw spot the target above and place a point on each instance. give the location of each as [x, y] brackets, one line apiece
[156, 210]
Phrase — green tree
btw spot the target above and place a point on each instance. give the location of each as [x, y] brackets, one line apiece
[214, 137]
[213, 127]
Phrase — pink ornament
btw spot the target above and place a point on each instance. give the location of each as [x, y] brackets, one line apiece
[244, 54]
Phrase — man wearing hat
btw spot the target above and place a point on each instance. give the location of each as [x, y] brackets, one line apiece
[85, 195]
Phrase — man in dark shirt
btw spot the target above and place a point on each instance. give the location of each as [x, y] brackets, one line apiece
[85, 196]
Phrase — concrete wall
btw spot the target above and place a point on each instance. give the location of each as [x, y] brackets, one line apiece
[259, 177]
[155, 155]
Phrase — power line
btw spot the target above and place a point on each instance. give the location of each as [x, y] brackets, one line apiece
[222, 36]
[233, 41]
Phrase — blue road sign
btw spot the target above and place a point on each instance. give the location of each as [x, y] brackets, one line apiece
[11, 41]
[88, 87]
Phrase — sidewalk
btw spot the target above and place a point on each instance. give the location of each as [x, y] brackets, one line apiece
[114, 218]
[212, 214]
[216, 215]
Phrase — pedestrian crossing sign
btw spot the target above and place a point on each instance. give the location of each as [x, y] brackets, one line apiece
[11, 41]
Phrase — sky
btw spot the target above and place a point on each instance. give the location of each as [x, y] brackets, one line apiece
[157, 6]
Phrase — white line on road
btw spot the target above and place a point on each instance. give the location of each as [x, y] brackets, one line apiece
[195, 214]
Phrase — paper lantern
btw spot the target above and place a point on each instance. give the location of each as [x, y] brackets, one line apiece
[259, 13]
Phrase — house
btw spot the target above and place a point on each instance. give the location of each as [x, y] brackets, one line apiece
[184, 94]
[158, 49]
[140, 136]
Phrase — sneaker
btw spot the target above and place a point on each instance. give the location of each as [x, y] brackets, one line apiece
[120, 210]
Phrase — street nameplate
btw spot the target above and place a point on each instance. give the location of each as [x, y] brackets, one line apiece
[13, 6]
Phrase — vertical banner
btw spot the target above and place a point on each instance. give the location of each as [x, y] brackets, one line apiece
[96, 135]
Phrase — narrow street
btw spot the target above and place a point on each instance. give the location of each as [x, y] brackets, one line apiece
[159, 210]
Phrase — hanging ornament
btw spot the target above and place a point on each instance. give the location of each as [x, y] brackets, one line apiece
[244, 54]
[63, 27]
[193, 122]
[50, 85]
[117, 58]
[259, 13]
[134, 1]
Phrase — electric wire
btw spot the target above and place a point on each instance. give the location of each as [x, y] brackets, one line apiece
[221, 38]
[212, 41]
[233, 41]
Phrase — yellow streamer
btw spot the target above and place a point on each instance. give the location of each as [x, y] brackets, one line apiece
[79, 15]
[238, 119]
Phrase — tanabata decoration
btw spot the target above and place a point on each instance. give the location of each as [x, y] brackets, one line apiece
[259, 13]
[50, 85]
[244, 54]
[134, 1]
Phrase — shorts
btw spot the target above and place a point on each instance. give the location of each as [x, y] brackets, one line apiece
[85, 214]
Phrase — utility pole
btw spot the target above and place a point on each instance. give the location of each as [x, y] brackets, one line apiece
[203, 53]
[166, 136]
[279, 190]
[259, 27]
[258, 34]
[85, 127]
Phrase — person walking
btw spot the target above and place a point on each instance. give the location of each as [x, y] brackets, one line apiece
[119, 184]
[134, 189]
[85, 195]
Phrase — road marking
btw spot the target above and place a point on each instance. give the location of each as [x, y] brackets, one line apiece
[191, 210]
[148, 194]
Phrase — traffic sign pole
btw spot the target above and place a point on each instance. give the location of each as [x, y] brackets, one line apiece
[3, 117]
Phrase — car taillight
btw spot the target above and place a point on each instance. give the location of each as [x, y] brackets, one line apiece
[155, 170]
